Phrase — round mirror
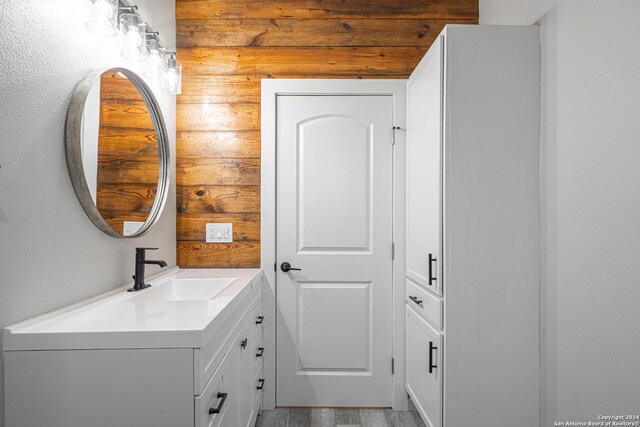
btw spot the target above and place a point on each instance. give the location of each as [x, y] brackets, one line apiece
[117, 152]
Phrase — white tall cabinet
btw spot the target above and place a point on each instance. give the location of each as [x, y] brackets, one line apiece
[472, 288]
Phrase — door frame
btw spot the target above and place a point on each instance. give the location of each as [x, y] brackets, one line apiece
[270, 90]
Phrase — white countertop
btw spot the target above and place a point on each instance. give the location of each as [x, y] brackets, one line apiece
[112, 320]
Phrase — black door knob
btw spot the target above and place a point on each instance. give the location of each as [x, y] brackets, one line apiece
[286, 267]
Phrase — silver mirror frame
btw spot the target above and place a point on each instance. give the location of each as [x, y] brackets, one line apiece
[73, 146]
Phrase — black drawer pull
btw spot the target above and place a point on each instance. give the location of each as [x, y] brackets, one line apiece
[261, 386]
[431, 365]
[432, 279]
[416, 300]
[259, 320]
[260, 352]
[217, 410]
[243, 344]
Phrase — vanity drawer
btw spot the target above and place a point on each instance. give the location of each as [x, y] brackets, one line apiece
[258, 392]
[218, 396]
[259, 320]
[259, 352]
[257, 281]
[423, 302]
[207, 358]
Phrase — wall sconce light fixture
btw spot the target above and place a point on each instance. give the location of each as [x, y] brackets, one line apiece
[172, 75]
[105, 17]
[155, 62]
[134, 41]
[138, 44]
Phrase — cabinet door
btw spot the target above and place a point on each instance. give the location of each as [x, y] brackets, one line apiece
[218, 405]
[424, 151]
[424, 367]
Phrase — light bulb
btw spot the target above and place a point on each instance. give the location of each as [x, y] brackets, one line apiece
[133, 37]
[103, 22]
[103, 10]
[172, 78]
[155, 62]
[154, 65]
[134, 46]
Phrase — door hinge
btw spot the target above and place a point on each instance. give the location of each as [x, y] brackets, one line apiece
[393, 251]
[393, 366]
[393, 139]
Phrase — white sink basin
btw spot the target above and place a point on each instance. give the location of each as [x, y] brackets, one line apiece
[181, 309]
[184, 290]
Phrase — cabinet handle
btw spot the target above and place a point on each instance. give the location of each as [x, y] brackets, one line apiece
[431, 365]
[260, 352]
[217, 410]
[416, 300]
[261, 386]
[432, 279]
[243, 344]
[259, 320]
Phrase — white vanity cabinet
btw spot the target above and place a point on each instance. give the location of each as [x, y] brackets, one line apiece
[229, 398]
[472, 298]
[137, 360]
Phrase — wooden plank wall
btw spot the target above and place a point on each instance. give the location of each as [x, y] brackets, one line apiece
[226, 48]
[128, 165]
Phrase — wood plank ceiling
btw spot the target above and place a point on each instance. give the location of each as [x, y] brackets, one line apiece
[226, 48]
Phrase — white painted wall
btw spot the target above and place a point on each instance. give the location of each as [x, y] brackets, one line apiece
[50, 253]
[513, 12]
[590, 206]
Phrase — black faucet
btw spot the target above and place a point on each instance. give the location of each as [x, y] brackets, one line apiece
[138, 278]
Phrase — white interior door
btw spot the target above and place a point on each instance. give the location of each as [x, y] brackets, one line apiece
[334, 222]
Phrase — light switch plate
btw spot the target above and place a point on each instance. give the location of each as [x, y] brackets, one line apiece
[219, 232]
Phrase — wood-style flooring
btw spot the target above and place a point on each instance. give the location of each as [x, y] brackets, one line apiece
[330, 417]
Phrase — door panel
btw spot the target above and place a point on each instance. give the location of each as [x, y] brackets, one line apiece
[424, 174]
[334, 209]
[424, 367]
[334, 221]
[344, 348]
